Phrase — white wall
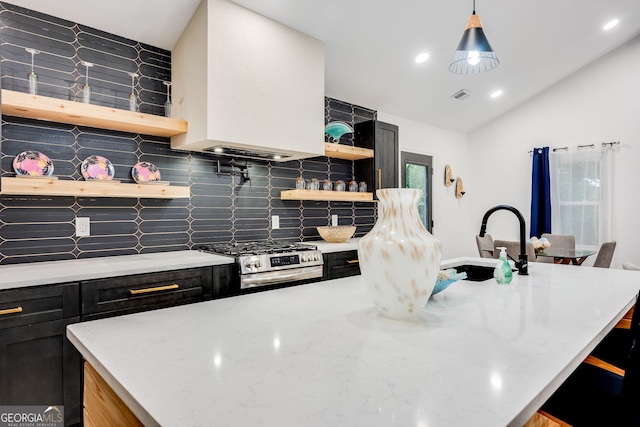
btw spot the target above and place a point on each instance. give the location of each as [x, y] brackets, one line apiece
[599, 103]
[451, 225]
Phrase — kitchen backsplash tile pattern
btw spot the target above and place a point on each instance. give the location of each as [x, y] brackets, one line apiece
[223, 207]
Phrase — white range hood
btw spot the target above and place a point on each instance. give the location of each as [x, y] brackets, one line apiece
[246, 83]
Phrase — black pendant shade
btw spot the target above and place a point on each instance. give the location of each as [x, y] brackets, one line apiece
[474, 53]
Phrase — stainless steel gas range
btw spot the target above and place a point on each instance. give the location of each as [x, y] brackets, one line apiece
[262, 264]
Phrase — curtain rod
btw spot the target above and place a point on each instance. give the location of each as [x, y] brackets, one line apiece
[580, 147]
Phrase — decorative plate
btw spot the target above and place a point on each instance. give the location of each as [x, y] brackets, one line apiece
[32, 163]
[336, 129]
[97, 168]
[145, 172]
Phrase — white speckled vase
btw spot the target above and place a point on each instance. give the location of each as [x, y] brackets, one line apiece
[399, 258]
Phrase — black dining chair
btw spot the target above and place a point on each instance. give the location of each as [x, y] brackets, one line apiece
[598, 393]
[605, 254]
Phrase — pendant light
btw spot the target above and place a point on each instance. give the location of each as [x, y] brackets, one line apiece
[474, 53]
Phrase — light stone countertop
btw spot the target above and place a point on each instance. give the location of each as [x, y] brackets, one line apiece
[479, 353]
[51, 272]
[326, 247]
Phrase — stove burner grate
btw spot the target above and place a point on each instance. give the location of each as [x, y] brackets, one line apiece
[255, 248]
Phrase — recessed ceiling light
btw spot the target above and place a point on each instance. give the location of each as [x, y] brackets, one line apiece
[218, 150]
[422, 57]
[611, 24]
[496, 94]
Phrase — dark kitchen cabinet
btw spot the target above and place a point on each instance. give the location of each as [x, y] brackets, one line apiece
[340, 264]
[115, 296]
[382, 170]
[38, 364]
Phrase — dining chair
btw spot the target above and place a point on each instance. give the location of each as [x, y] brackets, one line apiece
[599, 393]
[630, 266]
[485, 245]
[605, 254]
[564, 241]
[513, 249]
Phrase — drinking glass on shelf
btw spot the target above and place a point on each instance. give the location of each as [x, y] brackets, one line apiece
[133, 99]
[300, 183]
[32, 77]
[86, 89]
[362, 187]
[353, 186]
[339, 185]
[167, 104]
[327, 185]
[313, 184]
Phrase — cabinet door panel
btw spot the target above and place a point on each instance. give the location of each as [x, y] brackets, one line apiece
[382, 170]
[39, 366]
[113, 296]
[341, 264]
[386, 155]
[38, 304]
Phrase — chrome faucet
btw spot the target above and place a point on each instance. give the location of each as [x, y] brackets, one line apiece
[522, 264]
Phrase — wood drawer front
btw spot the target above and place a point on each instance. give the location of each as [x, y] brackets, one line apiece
[113, 296]
[342, 264]
[26, 306]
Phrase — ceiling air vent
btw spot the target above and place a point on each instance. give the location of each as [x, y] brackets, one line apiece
[461, 95]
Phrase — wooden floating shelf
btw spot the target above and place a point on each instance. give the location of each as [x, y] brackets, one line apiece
[77, 113]
[60, 187]
[332, 196]
[346, 152]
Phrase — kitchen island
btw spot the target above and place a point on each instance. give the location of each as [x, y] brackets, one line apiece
[321, 354]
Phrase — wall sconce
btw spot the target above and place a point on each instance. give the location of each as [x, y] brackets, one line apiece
[448, 176]
[459, 188]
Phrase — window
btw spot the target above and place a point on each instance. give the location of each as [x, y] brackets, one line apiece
[417, 171]
[580, 196]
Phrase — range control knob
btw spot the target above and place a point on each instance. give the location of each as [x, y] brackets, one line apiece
[253, 263]
[316, 257]
[304, 258]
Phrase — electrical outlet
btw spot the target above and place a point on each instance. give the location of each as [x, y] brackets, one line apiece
[83, 227]
[275, 222]
[334, 220]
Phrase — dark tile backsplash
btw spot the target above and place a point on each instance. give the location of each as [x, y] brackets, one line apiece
[221, 208]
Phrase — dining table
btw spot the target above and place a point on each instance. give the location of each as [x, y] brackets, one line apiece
[566, 256]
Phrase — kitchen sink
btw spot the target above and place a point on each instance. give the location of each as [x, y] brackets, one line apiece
[475, 273]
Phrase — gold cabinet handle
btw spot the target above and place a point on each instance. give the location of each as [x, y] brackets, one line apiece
[353, 261]
[379, 178]
[156, 289]
[11, 311]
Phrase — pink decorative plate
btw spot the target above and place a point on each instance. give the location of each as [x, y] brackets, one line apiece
[145, 172]
[32, 163]
[97, 168]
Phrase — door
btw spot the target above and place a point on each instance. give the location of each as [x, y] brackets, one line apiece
[417, 172]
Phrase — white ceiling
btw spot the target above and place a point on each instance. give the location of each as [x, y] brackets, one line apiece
[370, 45]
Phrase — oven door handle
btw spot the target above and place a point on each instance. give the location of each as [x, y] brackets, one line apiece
[280, 276]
